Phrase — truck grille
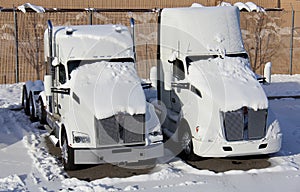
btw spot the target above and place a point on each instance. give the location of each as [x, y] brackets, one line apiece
[120, 129]
[245, 124]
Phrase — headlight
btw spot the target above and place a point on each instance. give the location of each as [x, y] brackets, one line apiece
[155, 133]
[154, 137]
[80, 137]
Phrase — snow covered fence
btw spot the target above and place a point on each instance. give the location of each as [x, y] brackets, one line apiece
[31, 27]
[266, 37]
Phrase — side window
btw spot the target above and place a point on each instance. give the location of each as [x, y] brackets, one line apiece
[72, 65]
[62, 74]
[178, 69]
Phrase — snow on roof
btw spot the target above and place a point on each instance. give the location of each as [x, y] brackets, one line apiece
[83, 42]
[190, 32]
[249, 6]
[35, 8]
[225, 4]
[197, 5]
[253, 7]
[242, 6]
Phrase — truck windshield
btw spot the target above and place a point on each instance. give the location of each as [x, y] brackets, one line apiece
[190, 59]
[74, 64]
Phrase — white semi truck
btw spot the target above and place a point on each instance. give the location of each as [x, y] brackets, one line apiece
[215, 107]
[93, 102]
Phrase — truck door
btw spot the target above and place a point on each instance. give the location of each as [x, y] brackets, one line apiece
[63, 93]
[179, 86]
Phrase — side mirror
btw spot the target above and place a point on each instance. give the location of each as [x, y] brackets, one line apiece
[173, 57]
[55, 62]
[153, 76]
[268, 72]
[178, 69]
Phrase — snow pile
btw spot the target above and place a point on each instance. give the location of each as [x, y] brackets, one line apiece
[115, 88]
[13, 95]
[229, 82]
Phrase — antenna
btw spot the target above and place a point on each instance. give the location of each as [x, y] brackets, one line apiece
[178, 49]
[132, 25]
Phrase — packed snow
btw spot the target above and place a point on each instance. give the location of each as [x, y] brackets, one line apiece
[26, 164]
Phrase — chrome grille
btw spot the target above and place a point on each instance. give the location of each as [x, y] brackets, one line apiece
[120, 129]
[245, 124]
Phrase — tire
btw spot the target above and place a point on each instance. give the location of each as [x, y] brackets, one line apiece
[67, 154]
[25, 101]
[32, 108]
[43, 113]
[186, 144]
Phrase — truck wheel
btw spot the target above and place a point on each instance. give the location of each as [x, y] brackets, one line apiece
[67, 154]
[186, 144]
[43, 113]
[25, 101]
[32, 108]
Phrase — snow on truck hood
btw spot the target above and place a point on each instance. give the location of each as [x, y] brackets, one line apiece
[229, 82]
[108, 88]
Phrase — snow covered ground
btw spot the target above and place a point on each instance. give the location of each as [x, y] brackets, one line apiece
[25, 164]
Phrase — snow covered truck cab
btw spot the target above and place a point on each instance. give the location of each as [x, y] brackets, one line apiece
[93, 101]
[215, 105]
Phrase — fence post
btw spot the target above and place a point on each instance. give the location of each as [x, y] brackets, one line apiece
[292, 41]
[16, 46]
[91, 16]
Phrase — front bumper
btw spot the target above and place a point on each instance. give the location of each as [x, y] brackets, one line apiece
[238, 148]
[118, 154]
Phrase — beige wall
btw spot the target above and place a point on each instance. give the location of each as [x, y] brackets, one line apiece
[276, 46]
[133, 3]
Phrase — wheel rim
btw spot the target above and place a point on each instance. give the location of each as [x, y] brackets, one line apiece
[186, 143]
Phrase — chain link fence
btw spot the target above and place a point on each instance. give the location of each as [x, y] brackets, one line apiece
[267, 38]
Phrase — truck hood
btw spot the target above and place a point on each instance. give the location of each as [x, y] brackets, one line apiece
[107, 88]
[228, 82]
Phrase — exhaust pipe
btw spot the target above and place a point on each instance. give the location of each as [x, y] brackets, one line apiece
[50, 57]
[133, 35]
